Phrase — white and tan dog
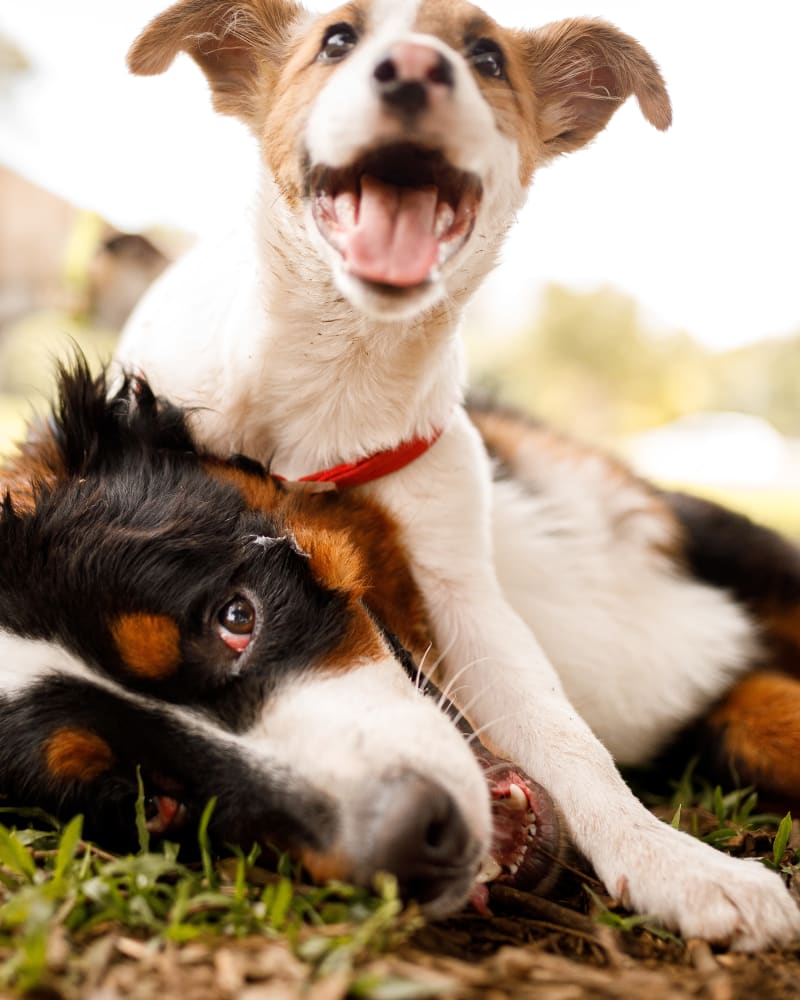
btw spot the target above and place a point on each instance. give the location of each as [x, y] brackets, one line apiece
[398, 139]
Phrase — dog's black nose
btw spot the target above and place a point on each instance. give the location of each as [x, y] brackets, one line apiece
[427, 844]
[410, 75]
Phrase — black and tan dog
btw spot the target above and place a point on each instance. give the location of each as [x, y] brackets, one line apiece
[233, 637]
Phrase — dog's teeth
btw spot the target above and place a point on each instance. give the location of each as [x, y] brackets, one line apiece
[513, 869]
[346, 206]
[489, 870]
[517, 799]
[445, 217]
[532, 830]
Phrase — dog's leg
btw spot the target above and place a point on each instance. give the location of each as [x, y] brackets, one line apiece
[513, 697]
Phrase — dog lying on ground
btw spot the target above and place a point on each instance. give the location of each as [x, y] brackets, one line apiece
[398, 140]
[237, 638]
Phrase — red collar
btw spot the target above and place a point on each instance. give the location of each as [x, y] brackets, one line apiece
[365, 470]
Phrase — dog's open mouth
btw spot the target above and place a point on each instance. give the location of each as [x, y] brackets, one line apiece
[397, 214]
[526, 842]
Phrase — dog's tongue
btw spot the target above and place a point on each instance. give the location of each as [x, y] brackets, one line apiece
[393, 240]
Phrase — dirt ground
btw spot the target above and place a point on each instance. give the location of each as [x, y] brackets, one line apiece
[529, 948]
[547, 949]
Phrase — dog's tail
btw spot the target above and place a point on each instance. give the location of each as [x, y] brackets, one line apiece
[754, 730]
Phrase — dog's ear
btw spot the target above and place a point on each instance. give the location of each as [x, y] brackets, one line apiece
[89, 430]
[235, 43]
[60, 444]
[581, 71]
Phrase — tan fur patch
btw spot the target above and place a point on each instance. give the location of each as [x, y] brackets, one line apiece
[288, 101]
[326, 867]
[148, 644]
[759, 721]
[77, 754]
[354, 545]
[354, 549]
[258, 492]
[334, 559]
[527, 448]
[391, 592]
[37, 463]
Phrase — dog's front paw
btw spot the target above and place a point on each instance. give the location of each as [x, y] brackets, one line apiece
[700, 892]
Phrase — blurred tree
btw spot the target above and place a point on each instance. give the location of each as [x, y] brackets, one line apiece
[589, 364]
[762, 378]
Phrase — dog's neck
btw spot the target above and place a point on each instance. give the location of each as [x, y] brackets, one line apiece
[331, 385]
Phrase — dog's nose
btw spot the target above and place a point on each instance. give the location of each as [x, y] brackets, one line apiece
[428, 845]
[410, 76]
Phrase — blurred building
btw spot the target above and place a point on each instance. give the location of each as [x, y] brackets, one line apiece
[55, 256]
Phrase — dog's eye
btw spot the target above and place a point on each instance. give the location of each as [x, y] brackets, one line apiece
[488, 59]
[236, 622]
[339, 40]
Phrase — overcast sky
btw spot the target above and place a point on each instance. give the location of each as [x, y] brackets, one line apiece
[701, 224]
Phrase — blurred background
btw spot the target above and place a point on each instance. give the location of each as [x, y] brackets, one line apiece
[648, 297]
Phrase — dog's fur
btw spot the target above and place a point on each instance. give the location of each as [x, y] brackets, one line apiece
[326, 330]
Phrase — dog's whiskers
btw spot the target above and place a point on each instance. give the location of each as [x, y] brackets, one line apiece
[445, 696]
[420, 679]
[438, 661]
[501, 765]
[469, 737]
[463, 711]
[451, 704]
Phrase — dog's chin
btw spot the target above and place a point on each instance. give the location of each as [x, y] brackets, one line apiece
[388, 303]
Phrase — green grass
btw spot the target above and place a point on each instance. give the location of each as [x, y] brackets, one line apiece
[54, 883]
[61, 895]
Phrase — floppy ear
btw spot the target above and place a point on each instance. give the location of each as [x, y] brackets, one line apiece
[235, 42]
[582, 70]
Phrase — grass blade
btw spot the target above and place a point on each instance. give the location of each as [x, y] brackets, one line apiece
[781, 841]
[14, 855]
[141, 819]
[205, 844]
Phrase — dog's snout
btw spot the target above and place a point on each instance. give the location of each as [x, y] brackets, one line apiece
[410, 75]
[428, 845]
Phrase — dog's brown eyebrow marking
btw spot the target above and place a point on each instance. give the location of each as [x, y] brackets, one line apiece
[333, 558]
[148, 644]
[258, 492]
[352, 12]
[477, 26]
[457, 30]
[77, 754]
